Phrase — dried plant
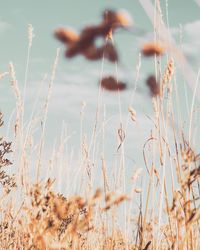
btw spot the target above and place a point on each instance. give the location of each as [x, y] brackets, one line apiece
[160, 211]
[153, 85]
[151, 49]
[111, 84]
[7, 181]
[84, 43]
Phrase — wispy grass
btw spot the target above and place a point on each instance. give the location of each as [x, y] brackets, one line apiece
[163, 213]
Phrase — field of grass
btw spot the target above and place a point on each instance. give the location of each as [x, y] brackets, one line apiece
[35, 214]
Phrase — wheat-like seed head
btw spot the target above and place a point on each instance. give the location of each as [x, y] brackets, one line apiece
[30, 34]
[169, 70]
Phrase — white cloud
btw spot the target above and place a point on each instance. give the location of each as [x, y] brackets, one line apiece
[190, 39]
[189, 31]
[192, 31]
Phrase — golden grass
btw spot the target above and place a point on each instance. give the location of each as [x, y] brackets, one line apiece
[36, 216]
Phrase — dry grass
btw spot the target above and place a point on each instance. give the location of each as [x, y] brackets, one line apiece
[34, 215]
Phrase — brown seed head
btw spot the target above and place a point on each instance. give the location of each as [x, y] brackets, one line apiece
[110, 52]
[151, 49]
[92, 53]
[116, 19]
[110, 83]
[66, 36]
[153, 85]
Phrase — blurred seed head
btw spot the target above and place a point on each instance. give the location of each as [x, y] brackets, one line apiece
[110, 83]
[117, 19]
[153, 85]
[151, 49]
[66, 35]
